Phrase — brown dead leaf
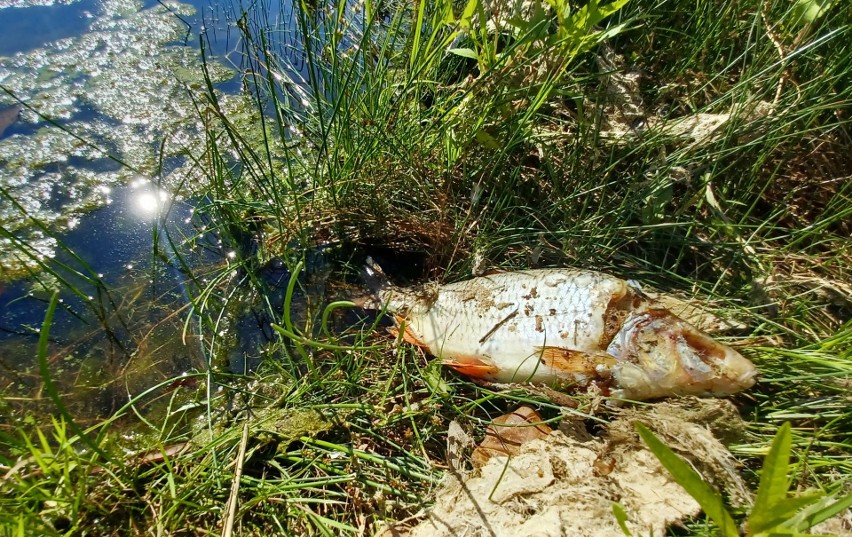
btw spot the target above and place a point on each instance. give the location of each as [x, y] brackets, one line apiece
[506, 434]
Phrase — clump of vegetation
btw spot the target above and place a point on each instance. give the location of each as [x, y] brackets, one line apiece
[698, 147]
[773, 512]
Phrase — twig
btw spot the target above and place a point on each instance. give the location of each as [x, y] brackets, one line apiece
[231, 507]
[783, 53]
[555, 396]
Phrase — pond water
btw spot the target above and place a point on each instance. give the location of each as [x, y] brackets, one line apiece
[97, 188]
[124, 333]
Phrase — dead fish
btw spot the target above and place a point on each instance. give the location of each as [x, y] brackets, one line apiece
[561, 328]
[9, 115]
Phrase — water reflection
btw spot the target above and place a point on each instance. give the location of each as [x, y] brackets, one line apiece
[123, 330]
[100, 108]
[109, 82]
[147, 201]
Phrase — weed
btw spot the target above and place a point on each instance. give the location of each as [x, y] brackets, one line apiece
[773, 512]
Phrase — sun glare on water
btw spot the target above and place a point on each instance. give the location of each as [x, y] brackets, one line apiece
[147, 200]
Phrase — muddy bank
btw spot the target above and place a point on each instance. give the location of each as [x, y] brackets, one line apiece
[566, 483]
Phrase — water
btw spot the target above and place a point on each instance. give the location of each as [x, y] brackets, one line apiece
[125, 333]
[29, 28]
[96, 186]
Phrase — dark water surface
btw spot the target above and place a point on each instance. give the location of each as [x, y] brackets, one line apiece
[26, 28]
[126, 332]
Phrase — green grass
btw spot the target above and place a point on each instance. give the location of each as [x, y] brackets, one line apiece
[774, 512]
[503, 154]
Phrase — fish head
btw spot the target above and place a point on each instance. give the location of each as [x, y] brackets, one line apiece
[661, 355]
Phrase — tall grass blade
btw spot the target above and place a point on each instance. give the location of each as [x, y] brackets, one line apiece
[709, 500]
[772, 506]
[818, 512]
[773, 481]
[621, 518]
[50, 386]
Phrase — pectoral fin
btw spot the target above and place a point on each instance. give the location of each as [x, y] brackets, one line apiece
[573, 361]
[472, 366]
[408, 335]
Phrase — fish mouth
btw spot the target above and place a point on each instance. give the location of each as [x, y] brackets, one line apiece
[747, 379]
[733, 371]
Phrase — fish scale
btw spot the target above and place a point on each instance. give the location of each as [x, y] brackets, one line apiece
[504, 318]
[564, 327]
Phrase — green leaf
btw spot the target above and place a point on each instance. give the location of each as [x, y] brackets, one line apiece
[709, 500]
[807, 11]
[612, 7]
[562, 9]
[434, 380]
[415, 43]
[621, 517]
[464, 53]
[773, 483]
[449, 17]
[820, 511]
[467, 14]
[487, 140]
[773, 519]
[531, 25]
[611, 32]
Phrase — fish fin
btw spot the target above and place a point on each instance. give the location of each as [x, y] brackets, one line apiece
[374, 276]
[408, 335]
[377, 282]
[573, 361]
[471, 366]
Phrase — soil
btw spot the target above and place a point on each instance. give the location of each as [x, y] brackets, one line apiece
[566, 482]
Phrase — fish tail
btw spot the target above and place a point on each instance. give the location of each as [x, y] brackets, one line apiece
[377, 284]
[374, 276]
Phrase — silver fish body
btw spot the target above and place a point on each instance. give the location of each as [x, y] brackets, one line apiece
[566, 327]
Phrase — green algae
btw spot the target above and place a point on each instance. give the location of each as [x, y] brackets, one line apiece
[110, 105]
[35, 3]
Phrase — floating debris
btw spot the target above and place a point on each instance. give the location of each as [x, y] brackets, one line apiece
[506, 434]
[9, 115]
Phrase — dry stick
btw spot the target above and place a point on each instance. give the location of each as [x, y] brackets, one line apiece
[231, 507]
[782, 54]
[770, 33]
[557, 397]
